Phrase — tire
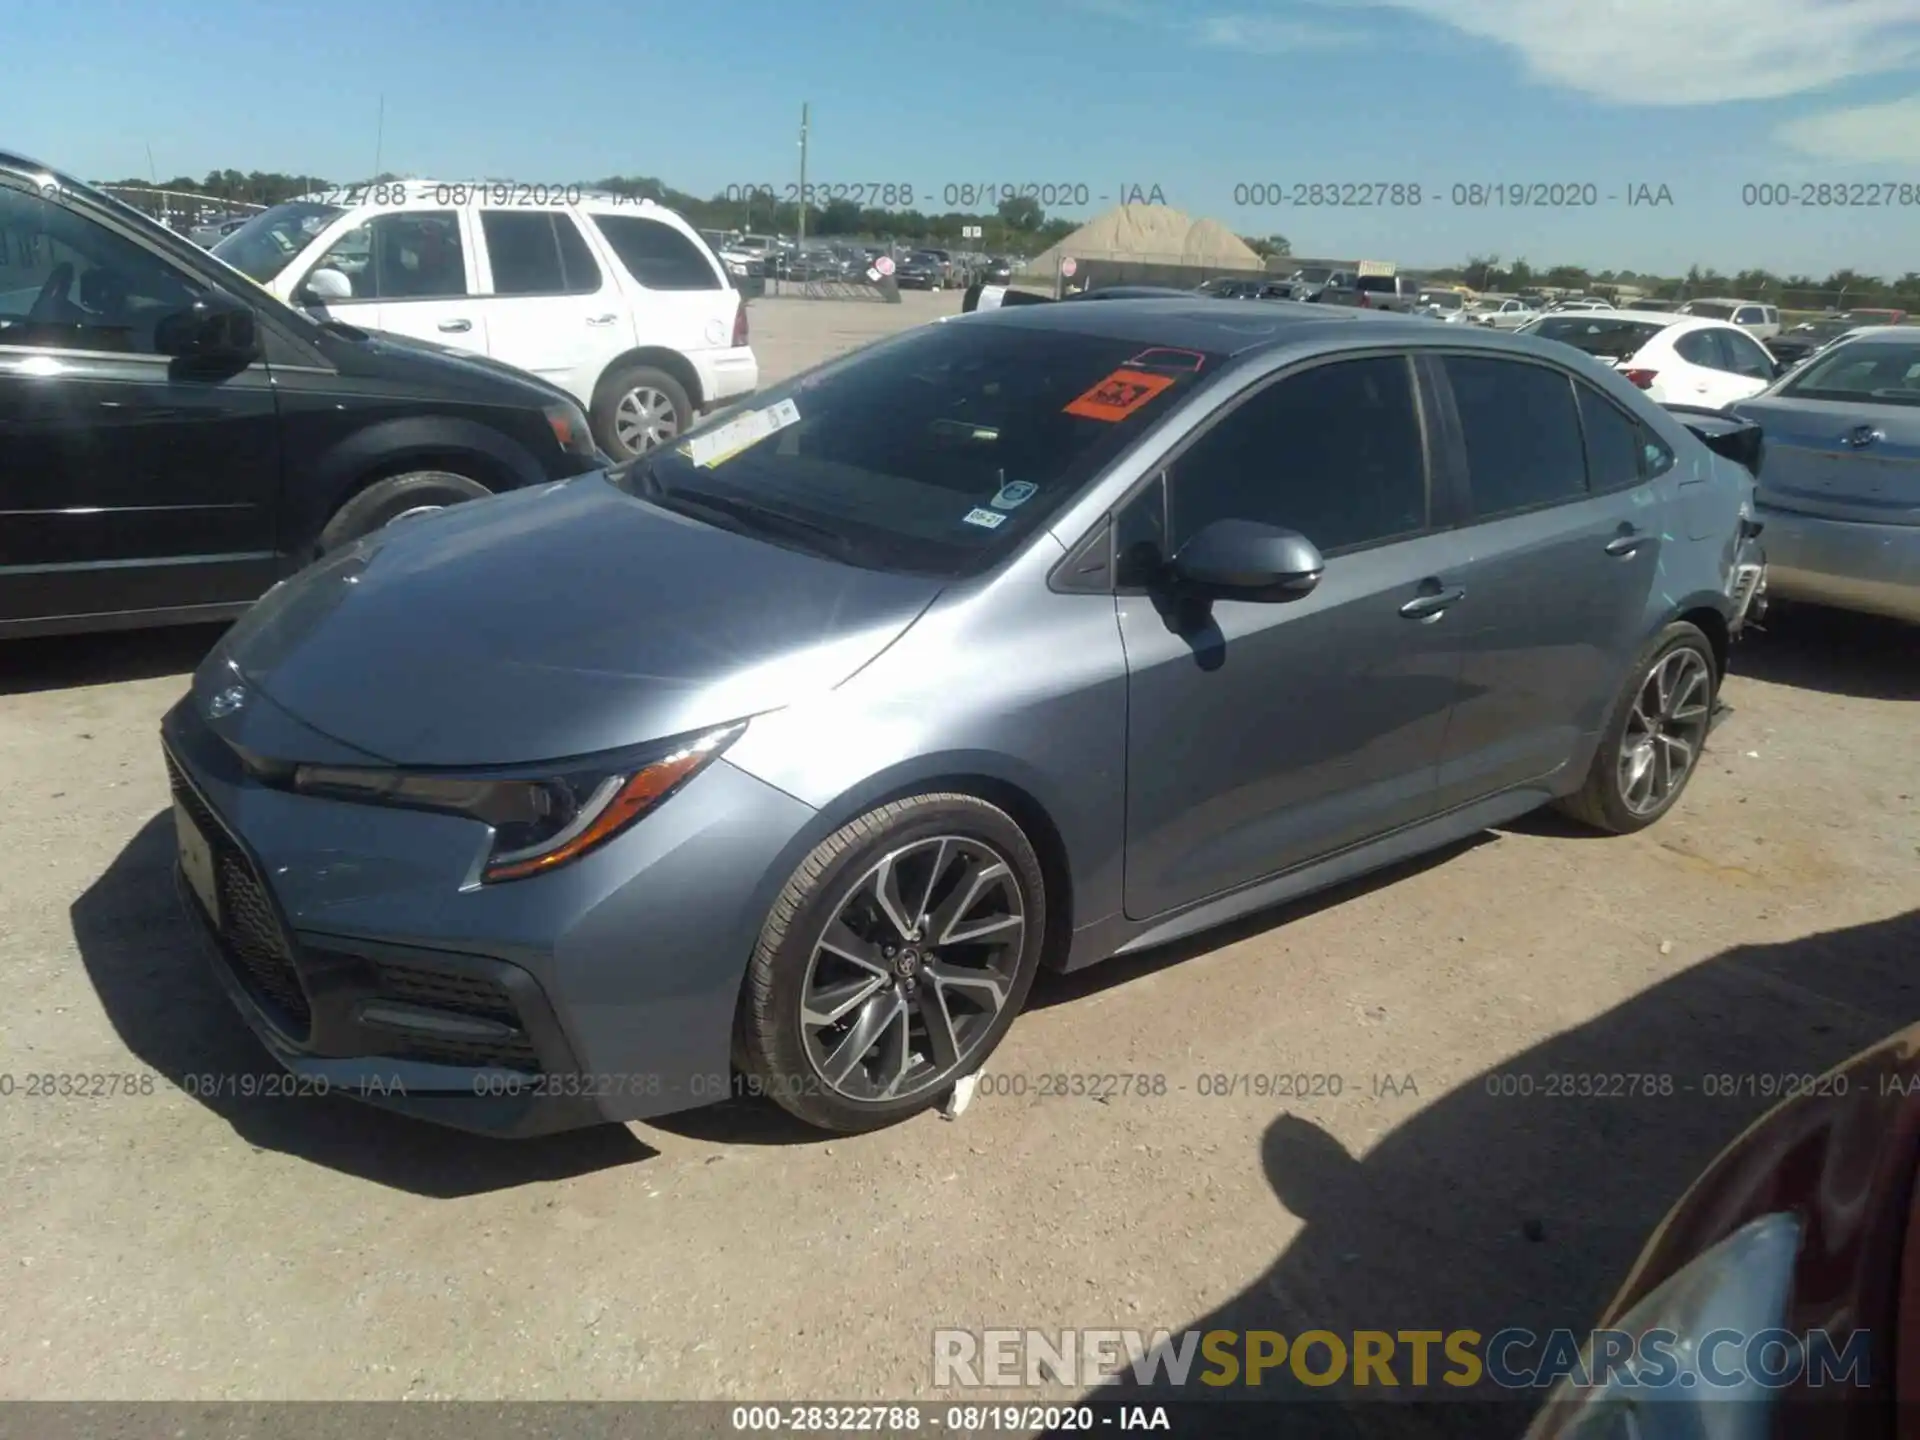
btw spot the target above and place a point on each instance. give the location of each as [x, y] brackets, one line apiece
[1623, 791]
[879, 1059]
[630, 399]
[387, 500]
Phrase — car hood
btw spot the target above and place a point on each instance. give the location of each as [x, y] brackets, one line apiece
[557, 622]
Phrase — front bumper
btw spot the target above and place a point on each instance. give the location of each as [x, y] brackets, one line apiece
[355, 947]
[1874, 569]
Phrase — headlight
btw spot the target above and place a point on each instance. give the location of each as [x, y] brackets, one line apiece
[570, 428]
[540, 821]
[1739, 1286]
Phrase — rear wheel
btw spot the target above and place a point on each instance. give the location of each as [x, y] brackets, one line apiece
[894, 961]
[638, 408]
[1652, 745]
[397, 497]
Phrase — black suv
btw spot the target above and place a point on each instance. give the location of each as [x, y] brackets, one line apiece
[173, 439]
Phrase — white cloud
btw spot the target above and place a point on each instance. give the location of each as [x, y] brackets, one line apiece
[1866, 134]
[1689, 52]
[1268, 35]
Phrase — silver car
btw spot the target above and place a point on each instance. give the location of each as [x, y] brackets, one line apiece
[1840, 479]
[779, 761]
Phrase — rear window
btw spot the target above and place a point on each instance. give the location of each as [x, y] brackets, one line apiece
[1857, 370]
[656, 255]
[1378, 284]
[937, 452]
[1597, 334]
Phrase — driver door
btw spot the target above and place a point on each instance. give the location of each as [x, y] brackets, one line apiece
[125, 484]
[1267, 735]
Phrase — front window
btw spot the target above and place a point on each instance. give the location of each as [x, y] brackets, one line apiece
[67, 283]
[268, 243]
[937, 452]
[1887, 373]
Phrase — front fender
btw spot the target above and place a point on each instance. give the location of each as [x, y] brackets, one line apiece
[326, 480]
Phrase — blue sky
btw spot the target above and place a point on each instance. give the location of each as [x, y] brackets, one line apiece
[1702, 96]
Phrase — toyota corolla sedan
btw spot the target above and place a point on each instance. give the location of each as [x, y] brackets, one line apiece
[779, 761]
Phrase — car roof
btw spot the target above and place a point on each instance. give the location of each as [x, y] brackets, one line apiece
[1241, 327]
[1883, 333]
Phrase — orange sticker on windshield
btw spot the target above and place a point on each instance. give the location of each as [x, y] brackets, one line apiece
[1119, 395]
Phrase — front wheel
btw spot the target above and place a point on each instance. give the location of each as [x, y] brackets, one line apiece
[1653, 741]
[398, 497]
[893, 962]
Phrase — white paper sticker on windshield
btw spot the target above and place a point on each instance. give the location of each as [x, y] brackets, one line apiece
[739, 433]
[987, 519]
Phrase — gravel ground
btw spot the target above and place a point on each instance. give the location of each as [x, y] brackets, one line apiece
[157, 1245]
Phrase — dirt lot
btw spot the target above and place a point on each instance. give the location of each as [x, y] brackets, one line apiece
[159, 1245]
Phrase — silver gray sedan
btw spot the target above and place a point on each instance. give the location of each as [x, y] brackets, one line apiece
[1840, 478]
[778, 762]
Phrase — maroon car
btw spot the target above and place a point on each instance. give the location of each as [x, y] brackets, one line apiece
[1784, 1288]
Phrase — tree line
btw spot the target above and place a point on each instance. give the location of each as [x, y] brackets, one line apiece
[1019, 226]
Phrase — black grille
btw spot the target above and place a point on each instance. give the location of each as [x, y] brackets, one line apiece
[250, 932]
[469, 995]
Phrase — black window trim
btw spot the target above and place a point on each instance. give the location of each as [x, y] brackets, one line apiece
[554, 218]
[1442, 514]
[1640, 427]
[716, 267]
[373, 258]
[1457, 432]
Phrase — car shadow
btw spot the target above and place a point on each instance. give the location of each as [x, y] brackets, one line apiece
[152, 975]
[1490, 1209]
[59, 662]
[1833, 651]
[1051, 987]
[751, 1120]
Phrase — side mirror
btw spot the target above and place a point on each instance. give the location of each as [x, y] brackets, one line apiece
[1245, 560]
[326, 284]
[214, 329]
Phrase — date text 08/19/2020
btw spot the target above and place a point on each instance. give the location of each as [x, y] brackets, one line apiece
[962, 195]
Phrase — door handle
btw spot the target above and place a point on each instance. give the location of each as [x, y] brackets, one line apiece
[456, 327]
[1432, 606]
[602, 319]
[1625, 544]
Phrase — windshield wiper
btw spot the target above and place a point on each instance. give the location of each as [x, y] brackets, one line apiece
[819, 539]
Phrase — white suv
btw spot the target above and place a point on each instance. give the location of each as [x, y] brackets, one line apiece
[618, 302]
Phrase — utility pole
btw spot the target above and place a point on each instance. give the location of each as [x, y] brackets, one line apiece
[380, 134]
[803, 174]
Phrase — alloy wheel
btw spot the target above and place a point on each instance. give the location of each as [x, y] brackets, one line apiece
[1665, 730]
[644, 418]
[908, 977]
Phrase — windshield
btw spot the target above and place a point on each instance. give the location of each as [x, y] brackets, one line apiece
[1711, 309]
[268, 243]
[935, 453]
[1596, 334]
[1887, 372]
[1442, 299]
[1313, 275]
